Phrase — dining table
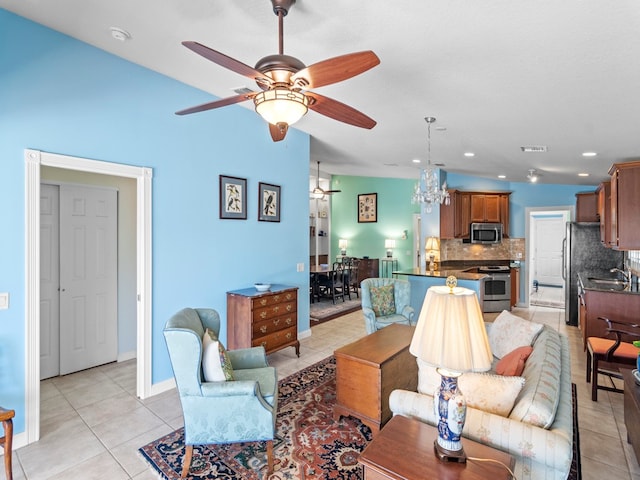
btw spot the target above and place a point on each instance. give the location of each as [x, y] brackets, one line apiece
[318, 270]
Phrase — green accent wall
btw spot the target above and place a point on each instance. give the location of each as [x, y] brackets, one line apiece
[395, 215]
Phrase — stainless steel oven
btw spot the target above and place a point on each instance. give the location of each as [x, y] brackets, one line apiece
[497, 288]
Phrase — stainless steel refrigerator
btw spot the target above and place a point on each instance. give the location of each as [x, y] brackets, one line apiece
[584, 253]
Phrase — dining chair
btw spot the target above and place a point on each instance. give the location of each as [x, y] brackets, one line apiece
[352, 283]
[333, 284]
[606, 355]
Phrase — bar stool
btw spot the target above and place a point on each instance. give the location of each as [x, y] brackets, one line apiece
[7, 424]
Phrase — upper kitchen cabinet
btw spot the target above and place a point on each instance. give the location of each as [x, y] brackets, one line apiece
[625, 205]
[604, 210]
[587, 207]
[468, 207]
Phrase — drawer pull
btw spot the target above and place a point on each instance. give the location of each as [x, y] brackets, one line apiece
[276, 309]
[263, 329]
[289, 307]
[289, 296]
[263, 301]
[288, 321]
[276, 322]
[288, 335]
[276, 298]
[263, 314]
[264, 344]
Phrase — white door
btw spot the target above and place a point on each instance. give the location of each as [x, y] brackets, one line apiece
[88, 277]
[549, 233]
[49, 282]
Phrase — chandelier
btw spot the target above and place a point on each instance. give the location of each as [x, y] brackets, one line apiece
[427, 191]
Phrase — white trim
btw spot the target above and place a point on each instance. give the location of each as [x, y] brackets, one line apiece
[34, 159]
[163, 386]
[304, 334]
[126, 356]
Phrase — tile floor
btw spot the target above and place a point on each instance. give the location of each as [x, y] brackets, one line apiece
[92, 423]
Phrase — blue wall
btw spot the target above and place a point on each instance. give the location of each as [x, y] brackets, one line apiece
[63, 96]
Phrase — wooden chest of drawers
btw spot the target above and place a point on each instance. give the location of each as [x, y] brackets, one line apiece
[268, 318]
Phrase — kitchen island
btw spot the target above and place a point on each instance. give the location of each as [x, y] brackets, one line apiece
[421, 279]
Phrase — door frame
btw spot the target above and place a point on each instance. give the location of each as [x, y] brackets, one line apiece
[34, 159]
[569, 213]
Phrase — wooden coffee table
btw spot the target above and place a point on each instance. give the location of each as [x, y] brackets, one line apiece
[403, 450]
[369, 369]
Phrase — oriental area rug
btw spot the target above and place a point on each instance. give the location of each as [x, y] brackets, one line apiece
[309, 444]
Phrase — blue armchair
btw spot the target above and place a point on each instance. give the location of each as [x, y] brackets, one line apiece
[401, 296]
[243, 409]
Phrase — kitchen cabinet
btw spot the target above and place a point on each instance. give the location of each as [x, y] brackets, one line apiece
[515, 286]
[619, 306]
[625, 205]
[468, 207]
[267, 318]
[604, 210]
[587, 207]
[485, 208]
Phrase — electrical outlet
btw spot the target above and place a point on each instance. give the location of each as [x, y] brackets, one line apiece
[4, 301]
[519, 255]
[300, 267]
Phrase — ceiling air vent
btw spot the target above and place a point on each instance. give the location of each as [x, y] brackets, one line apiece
[534, 148]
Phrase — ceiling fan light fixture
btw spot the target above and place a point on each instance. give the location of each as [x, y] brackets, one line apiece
[532, 176]
[281, 105]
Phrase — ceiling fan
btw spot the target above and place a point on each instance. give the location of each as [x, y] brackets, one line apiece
[284, 81]
[319, 192]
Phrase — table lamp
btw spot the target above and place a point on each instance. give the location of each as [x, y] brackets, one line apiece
[389, 244]
[342, 245]
[432, 247]
[450, 335]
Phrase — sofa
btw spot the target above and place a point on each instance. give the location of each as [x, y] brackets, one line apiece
[538, 430]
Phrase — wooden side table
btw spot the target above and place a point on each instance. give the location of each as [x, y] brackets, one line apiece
[403, 450]
[632, 410]
[6, 417]
[369, 369]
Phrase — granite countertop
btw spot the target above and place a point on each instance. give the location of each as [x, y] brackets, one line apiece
[460, 274]
[605, 282]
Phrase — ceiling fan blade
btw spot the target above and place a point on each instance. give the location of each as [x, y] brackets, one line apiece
[278, 132]
[329, 192]
[335, 69]
[339, 111]
[228, 62]
[217, 104]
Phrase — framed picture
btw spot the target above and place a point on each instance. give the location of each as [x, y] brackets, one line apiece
[368, 207]
[268, 202]
[233, 198]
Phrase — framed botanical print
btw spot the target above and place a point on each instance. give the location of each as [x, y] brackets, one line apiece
[368, 208]
[268, 202]
[233, 198]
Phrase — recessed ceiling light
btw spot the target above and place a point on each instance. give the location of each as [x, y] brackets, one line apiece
[583, 174]
[469, 154]
[502, 176]
[416, 160]
[589, 154]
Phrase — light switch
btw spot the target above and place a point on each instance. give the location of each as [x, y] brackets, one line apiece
[300, 267]
[4, 301]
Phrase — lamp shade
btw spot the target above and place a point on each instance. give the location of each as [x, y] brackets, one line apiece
[342, 243]
[389, 243]
[450, 333]
[281, 105]
[433, 244]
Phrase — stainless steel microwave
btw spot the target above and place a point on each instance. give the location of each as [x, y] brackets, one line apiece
[486, 233]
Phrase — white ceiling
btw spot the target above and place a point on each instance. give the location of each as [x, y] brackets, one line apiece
[497, 74]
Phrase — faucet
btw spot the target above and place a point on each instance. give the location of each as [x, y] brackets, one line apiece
[626, 275]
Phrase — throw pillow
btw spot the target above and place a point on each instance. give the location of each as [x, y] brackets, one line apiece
[483, 391]
[513, 362]
[509, 332]
[216, 366]
[382, 300]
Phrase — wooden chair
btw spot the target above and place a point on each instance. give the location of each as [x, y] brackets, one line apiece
[605, 355]
[6, 417]
[333, 283]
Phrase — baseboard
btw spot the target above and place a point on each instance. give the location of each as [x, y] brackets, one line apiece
[123, 357]
[162, 387]
[304, 334]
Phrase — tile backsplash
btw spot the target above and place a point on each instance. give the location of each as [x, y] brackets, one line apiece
[508, 249]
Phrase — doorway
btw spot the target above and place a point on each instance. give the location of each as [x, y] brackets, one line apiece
[78, 277]
[545, 232]
[34, 160]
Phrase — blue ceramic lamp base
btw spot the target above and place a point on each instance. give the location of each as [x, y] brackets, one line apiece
[451, 408]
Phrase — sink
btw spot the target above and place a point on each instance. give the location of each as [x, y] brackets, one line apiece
[607, 281]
